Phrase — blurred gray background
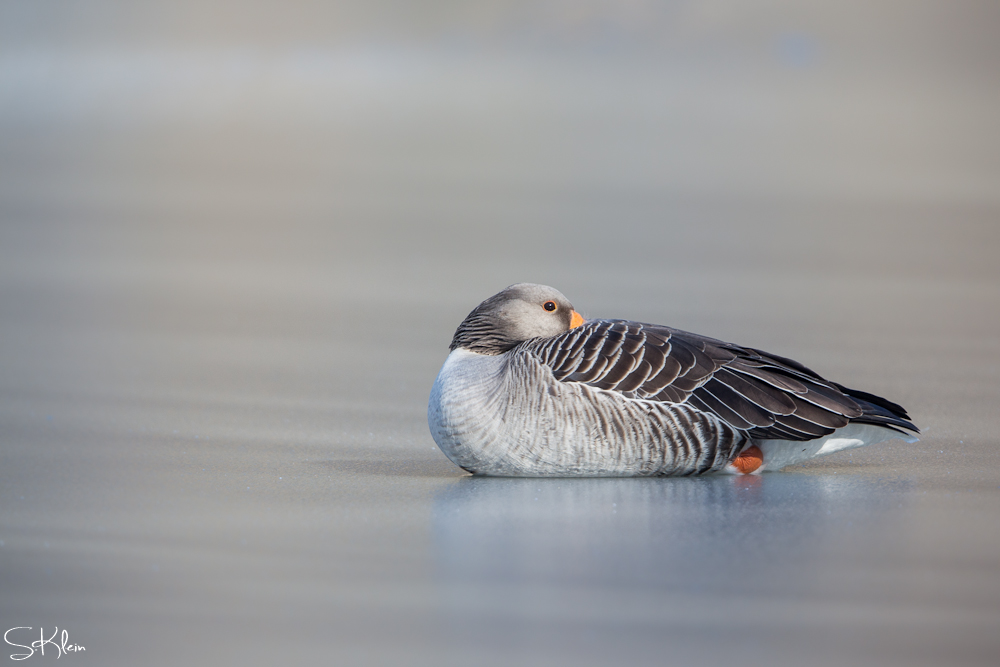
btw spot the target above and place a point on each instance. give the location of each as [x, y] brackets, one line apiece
[235, 239]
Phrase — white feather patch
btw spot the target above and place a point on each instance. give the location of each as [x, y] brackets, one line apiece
[781, 453]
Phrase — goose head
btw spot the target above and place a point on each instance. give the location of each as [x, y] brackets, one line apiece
[519, 313]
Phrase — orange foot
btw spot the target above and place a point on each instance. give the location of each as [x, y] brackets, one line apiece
[749, 459]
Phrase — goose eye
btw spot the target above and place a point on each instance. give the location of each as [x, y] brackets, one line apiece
[549, 306]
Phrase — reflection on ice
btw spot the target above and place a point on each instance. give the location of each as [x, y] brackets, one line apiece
[604, 571]
[681, 534]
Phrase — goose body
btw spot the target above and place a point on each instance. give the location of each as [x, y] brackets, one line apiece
[531, 389]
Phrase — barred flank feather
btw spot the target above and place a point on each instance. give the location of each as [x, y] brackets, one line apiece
[507, 415]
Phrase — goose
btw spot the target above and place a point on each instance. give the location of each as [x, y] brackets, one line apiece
[532, 389]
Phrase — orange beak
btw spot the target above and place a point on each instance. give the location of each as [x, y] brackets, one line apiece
[576, 320]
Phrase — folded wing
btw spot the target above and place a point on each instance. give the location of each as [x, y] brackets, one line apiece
[765, 395]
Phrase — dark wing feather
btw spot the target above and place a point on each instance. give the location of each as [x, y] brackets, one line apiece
[762, 394]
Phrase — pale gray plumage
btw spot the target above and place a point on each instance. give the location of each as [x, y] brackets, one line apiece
[529, 389]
